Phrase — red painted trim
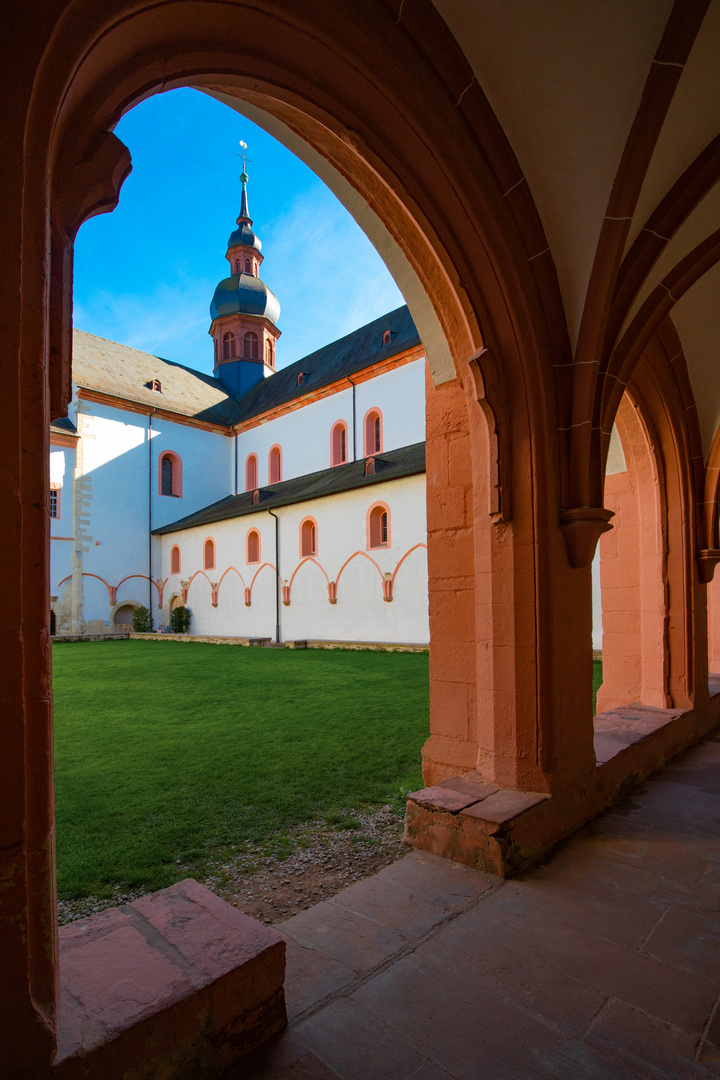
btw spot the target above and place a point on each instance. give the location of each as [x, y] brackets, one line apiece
[176, 475]
[335, 459]
[369, 449]
[145, 410]
[354, 556]
[271, 451]
[251, 479]
[368, 528]
[248, 560]
[307, 554]
[198, 573]
[308, 559]
[206, 565]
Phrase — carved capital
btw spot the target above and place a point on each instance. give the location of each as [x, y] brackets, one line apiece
[707, 560]
[489, 388]
[582, 528]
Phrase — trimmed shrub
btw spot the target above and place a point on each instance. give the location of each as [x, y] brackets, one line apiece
[180, 620]
[142, 621]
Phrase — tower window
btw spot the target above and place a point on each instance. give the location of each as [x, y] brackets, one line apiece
[248, 266]
[251, 345]
[373, 432]
[338, 443]
[237, 266]
[228, 345]
[269, 353]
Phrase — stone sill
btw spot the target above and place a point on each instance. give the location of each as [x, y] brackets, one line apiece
[178, 983]
[470, 821]
[619, 729]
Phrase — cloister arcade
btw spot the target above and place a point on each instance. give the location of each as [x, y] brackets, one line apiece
[541, 181]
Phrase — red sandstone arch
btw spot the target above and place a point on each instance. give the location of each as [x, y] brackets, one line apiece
[435, 169]
[653, 632]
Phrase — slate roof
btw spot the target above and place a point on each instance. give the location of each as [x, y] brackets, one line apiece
[407, 461]
[347, 356]
[64, 426]
[117, 370]
[122, 372]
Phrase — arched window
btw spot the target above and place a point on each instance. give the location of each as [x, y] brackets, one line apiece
[275, 465]
[378, 526]
[175, 559]
[269, 354]
[308, 537]
[237, 266]
[373, 432]
[251, 345]
[252, 546]
[248, 266]
[216, 351]
[338, 443]
[251, 472]
[170, 474]
[228, 345]
[209, 554]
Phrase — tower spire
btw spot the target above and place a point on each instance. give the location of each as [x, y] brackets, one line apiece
[244, 212]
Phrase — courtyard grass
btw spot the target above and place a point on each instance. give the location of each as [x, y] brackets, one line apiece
[168, 753]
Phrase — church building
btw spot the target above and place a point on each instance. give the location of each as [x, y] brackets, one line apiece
[281, 505]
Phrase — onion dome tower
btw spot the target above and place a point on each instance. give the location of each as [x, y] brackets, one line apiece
[244, 311]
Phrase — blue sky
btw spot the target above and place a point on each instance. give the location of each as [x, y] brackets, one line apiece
[145, 274]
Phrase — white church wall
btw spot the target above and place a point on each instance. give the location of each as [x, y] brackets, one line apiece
[304, 434]
[62, 469]
[400, 394]
[360, 613]
[207, 469]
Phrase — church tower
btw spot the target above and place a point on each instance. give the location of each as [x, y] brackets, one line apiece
[243, 310]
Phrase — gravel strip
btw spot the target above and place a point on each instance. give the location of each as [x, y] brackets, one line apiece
[324, 859]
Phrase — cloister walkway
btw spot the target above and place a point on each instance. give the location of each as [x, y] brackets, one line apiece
[604, 963]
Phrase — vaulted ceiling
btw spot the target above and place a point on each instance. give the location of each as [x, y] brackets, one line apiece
[613, 112]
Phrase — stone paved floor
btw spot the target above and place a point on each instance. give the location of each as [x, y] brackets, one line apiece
[604, 963]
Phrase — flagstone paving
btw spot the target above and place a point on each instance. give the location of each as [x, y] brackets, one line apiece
[604, 963]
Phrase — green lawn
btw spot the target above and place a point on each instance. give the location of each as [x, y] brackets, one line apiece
[166, 752]
[597, 679]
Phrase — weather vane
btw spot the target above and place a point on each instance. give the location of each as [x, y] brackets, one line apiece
[244, 157]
